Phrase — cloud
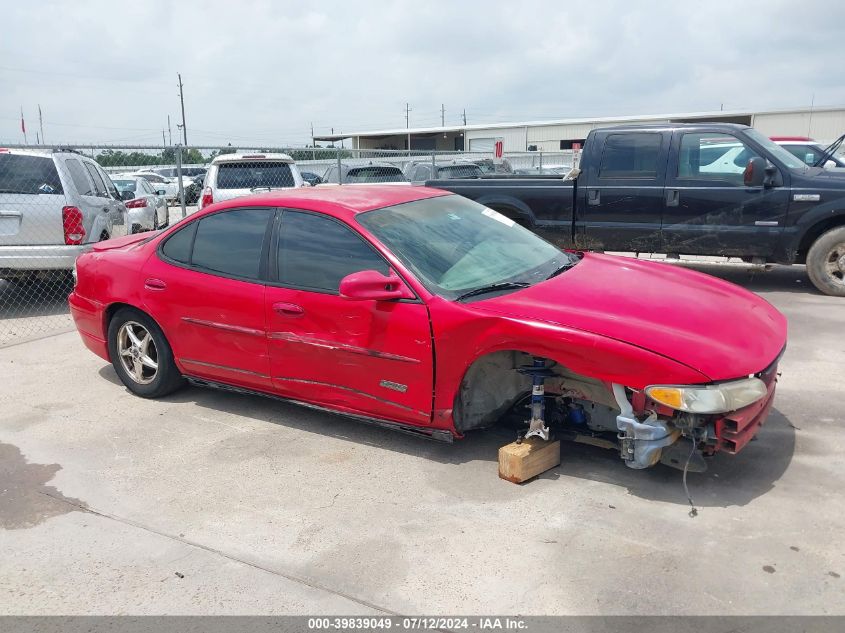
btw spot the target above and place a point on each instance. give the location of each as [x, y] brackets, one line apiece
[262, 72]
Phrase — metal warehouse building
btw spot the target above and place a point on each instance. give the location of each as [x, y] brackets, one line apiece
[822, 124]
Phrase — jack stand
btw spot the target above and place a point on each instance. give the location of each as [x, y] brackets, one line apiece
[538, 372]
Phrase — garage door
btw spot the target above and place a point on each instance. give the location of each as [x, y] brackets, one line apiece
[482, 144]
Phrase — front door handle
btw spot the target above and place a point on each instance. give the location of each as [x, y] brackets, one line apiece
[288, 309]
[593, 197]
[154, 284]
[673, 197]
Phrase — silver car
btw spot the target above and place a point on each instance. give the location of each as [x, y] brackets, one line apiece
[53, 206]
[146, 208]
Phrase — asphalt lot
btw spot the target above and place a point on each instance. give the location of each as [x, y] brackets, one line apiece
[209, 502]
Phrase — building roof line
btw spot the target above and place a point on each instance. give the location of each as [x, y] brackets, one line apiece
[571, 121]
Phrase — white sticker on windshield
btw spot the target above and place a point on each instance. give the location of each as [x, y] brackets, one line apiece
[498, 217]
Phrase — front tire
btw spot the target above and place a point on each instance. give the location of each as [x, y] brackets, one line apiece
[141, 355]
[826, 262]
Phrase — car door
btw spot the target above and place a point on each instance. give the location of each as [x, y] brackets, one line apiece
[205, 287]
[157, 202]
[708, 209]
[115, 221]
[369, 357]
[621, 206]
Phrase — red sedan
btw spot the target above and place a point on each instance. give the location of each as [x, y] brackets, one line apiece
[421, 310]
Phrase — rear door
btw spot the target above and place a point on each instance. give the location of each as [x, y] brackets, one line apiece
[114, 223]
[621, 205]
[205, 286]
[708, 209]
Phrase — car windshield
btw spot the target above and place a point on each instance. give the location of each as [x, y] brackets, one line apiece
[254, 175]
[455, 246]
[776, 150]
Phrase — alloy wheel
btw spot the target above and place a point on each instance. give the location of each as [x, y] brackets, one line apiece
[137, 351]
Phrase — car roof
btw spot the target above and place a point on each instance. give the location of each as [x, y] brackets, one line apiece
[251, 157]
[26, 152]
[342, 201]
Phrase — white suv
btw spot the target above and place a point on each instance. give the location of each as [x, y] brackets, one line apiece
[53, 205]
[235, 175]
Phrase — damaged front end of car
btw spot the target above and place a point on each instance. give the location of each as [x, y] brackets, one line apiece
[676, 425]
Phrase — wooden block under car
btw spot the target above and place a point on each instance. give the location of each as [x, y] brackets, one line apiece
[520, 462]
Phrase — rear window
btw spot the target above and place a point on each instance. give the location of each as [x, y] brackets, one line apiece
[254, 175]
[459, 171]
[632, 155]
[124, 185]
[375, 174]
[28, 174]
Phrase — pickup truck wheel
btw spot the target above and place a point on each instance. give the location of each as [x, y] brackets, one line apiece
[826, 262]
[141, 355]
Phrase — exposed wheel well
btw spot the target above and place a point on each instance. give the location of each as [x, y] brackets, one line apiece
[491, 385]
[813, 233]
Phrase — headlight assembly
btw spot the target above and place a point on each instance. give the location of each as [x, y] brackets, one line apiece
[721, 398]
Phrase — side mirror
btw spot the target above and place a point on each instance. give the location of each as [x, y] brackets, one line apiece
[755, 172]
[829, 164]
[127, 195]
[372, 285]
[161, 192]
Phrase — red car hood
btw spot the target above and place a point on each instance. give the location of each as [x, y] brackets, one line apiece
[710, 325]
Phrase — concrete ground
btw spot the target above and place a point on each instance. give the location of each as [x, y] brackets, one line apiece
[208, 502]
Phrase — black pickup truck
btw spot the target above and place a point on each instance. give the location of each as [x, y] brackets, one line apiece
[684, 189]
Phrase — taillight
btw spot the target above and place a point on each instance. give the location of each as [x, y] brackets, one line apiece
[207, 197]
[72, 224]
[137, 203]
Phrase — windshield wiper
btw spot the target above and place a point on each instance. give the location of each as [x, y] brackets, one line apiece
[829, 151]
[502, 285]
[563, 268]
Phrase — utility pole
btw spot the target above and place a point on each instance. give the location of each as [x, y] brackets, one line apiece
[465, 116]
[408, 123]
[41, 123]
[169, 132]
[442, 115]
[312, 135]
[182, 101]
[163, 142]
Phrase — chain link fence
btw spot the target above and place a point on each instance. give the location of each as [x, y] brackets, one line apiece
[56, 202]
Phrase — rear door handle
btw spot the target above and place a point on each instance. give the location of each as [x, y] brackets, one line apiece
[673, 196]
[154, 284]
[288, 309]
[593, 197]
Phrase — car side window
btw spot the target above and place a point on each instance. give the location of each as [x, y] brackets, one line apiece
[77, 175]
[315, 253]
[108, 184]
[231, 242]
[630, 155]
[178, 246]
[711, 156]
[99, 185]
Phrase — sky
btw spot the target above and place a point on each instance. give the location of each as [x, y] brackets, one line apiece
[262, 72]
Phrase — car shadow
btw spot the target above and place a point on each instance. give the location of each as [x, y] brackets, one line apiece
[731, 480]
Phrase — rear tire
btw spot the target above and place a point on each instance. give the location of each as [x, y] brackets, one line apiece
[141, 355]
[826, 262]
